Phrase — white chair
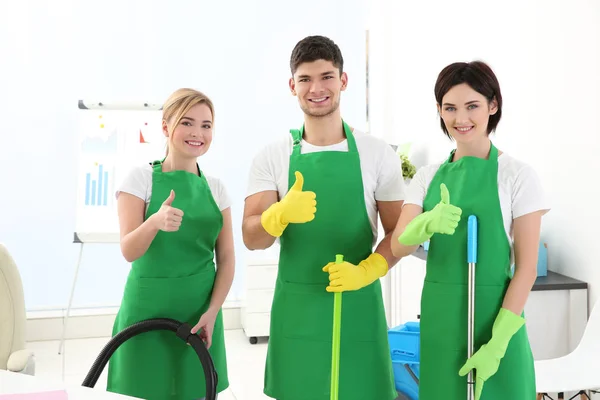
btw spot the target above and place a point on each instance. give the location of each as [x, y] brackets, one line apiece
[578, 371]
[14, 356]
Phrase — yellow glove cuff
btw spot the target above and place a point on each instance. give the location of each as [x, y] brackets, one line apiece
[376, 266]
[271, 220]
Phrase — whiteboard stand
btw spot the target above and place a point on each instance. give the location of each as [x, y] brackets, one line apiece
[107, 237]
[81, 238]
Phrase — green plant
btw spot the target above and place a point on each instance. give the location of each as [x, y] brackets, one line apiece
[408, 169]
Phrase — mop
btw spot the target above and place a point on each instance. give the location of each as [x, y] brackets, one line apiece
[472, 260]
[335, 346]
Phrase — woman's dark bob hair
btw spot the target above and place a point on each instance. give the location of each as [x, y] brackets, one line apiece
[479, 76]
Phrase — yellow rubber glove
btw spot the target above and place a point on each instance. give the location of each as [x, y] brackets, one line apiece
[487, 359]
[296, 207]
[345, 276]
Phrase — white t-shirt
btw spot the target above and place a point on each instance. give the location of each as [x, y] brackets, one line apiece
[380, 166]
[139, 183]
[519, 189]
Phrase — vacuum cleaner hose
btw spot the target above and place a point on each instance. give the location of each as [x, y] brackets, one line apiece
[183, 331]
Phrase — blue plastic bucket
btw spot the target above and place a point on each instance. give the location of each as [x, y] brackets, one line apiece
[404, 343]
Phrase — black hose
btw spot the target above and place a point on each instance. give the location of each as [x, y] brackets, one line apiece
[183, 331]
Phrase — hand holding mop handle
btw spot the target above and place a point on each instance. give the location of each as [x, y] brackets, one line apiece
[472, 260]
[337, 330]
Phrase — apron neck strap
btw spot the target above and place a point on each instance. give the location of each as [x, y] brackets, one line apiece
[298, 133]
[297, 136]
[157, 166]
[351, 142]
[493, 155]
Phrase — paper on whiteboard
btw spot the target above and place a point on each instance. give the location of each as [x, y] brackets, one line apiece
[111, 143]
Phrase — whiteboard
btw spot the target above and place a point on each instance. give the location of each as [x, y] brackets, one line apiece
[112, 139]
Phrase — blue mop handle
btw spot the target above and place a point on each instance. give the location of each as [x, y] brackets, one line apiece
[472, 240]
[472, 261]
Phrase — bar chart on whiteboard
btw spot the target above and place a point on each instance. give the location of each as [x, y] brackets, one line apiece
[111, 143]
[96, 185]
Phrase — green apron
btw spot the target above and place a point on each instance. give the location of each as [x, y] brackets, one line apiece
[473, 186]
[298, 363]
[173, 279]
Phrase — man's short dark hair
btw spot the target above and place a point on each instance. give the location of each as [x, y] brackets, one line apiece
[313, 48]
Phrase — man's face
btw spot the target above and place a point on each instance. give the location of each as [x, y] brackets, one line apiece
[318, 85]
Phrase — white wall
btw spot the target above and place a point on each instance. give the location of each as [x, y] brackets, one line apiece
[56, 52]
[547, 58]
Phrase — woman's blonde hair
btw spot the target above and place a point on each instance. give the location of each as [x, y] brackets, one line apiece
[179, 103]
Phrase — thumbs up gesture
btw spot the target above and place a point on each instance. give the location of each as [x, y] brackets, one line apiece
[168, 218]
[444, 216]
[297, 207]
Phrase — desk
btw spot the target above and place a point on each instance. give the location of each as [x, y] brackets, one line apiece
[556, 313]
[11, 382]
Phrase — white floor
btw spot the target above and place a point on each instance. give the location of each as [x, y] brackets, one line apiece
[245, 363]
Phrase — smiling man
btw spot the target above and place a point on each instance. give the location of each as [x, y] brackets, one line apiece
[320, 190]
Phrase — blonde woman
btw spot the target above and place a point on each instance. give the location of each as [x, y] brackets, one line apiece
[173, 221]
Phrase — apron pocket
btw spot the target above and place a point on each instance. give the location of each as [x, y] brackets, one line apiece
[363, 316]
[183, 299]
[307, 311]
[444, 316]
